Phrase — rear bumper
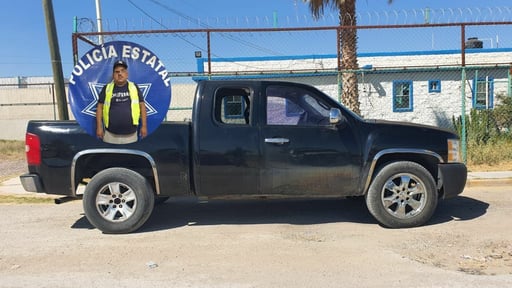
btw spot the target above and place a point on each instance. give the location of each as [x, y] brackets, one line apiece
[32, 183]
[453, 177]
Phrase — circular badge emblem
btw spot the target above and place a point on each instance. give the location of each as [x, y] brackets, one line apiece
[94, 71]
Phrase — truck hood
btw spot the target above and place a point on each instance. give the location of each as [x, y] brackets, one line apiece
[387, 123]
[380, 135]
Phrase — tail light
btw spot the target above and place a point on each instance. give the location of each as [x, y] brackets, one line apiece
[33, 149]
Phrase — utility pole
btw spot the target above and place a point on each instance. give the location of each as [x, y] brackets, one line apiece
[58, 77]
[98, 21]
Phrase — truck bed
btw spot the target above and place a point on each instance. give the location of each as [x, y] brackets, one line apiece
[64, 143]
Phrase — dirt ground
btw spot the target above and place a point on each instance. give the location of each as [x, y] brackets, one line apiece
[324, 243]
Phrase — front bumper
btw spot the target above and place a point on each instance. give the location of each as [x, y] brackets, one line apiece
[453, 178]
[32, 183]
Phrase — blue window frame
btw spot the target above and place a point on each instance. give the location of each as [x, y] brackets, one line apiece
[402, 96]
[483, 93]
[434, 86]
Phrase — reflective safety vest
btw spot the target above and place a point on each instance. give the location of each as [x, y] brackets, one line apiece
[134, 98]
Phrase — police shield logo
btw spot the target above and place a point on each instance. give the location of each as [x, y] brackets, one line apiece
[94, 70]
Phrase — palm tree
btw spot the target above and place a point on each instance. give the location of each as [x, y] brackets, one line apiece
[348, 46]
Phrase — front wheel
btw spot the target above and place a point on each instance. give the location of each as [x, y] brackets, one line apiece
[402, 194]
[118, 200]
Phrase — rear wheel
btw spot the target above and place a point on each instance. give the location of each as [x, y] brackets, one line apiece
[402, 194]
[118, 200]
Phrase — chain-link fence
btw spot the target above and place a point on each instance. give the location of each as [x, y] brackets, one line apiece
[452, 75]
[436, 74]
[22, 100]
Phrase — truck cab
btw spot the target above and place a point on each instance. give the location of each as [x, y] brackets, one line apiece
[272, 139]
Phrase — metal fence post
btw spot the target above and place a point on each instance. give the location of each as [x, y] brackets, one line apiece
[463, 94]
[510, 81]
[463, 115]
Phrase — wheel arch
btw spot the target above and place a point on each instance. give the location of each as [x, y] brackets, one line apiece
[425, 158]
[87, 163]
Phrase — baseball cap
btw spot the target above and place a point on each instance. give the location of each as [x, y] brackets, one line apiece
[120, 63]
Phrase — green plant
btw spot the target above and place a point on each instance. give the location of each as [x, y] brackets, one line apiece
[488, 133]
[503, 113]
[491, 153]
[12, 149]
[11, 199]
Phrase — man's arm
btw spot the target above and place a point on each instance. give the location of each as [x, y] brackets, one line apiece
[143, 115]
[99, 113]
[143, 120]
[99, 121]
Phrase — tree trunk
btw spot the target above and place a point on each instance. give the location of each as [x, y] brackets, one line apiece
[350, 96]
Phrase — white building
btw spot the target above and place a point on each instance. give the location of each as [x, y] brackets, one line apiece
[419, 86]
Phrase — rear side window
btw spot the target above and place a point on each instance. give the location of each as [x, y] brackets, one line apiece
[233, 105]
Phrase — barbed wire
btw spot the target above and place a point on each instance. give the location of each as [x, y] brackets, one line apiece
[435, 16]
[388, 17]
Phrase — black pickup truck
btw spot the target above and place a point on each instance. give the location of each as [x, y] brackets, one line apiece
[250, 139]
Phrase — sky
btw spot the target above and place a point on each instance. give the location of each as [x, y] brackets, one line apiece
[25, 49]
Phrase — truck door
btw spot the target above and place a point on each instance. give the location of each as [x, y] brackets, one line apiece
[226, 145]
[303, 154]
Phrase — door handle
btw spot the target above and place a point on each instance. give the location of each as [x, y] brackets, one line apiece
[279, 141]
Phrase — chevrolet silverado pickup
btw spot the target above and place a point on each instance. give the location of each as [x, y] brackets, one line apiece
[250, 139]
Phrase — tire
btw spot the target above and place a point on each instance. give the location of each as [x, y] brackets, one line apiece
[402, 195]
[118, 200]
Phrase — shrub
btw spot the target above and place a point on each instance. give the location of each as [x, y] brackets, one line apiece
[488, 133]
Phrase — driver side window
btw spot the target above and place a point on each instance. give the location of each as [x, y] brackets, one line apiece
[294, 106]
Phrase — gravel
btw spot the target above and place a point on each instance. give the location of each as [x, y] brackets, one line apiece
[12, 168]
[241, 244]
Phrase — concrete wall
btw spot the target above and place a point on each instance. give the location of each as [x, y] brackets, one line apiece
[36, 102]
[13, 129]
[22, 100]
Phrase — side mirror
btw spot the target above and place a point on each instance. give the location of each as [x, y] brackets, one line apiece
[335, 116]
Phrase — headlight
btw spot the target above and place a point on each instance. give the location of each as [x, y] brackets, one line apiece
[454, 150]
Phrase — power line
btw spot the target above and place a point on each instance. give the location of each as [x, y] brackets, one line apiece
[160, 23]
[180, 14]
[229, 36]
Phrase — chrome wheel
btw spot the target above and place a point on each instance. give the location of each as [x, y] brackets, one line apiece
[116, 202]
[404, 195]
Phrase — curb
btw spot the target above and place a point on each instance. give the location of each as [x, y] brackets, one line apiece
[479, 182]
